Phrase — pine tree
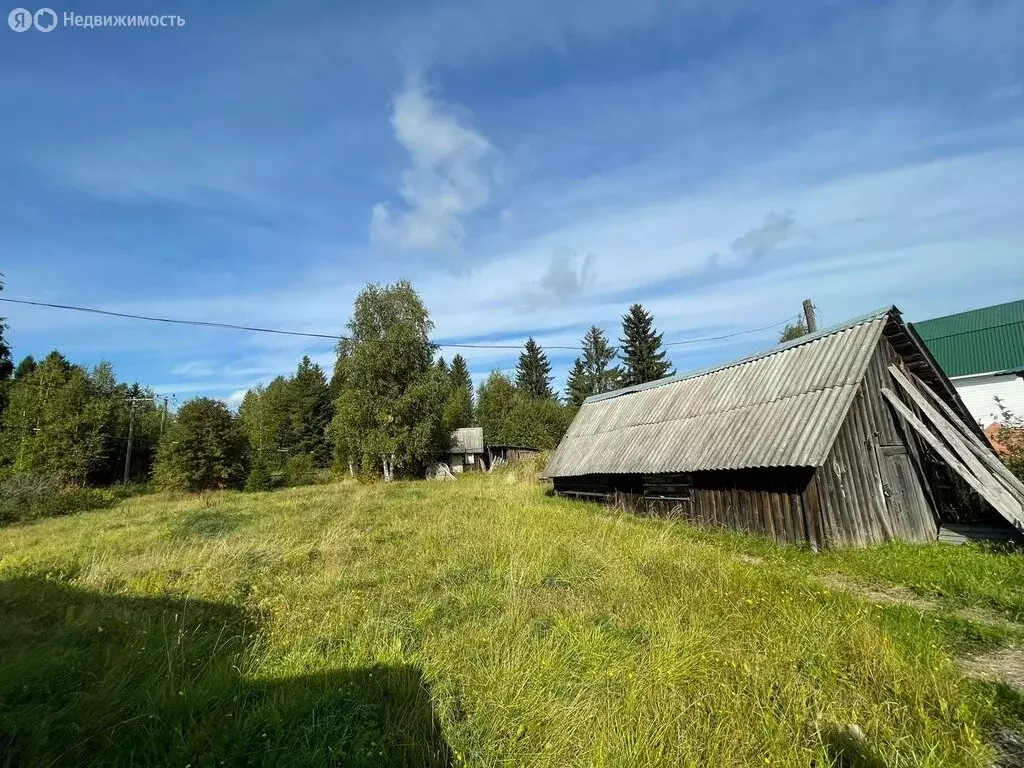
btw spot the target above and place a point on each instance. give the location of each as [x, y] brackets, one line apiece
[643, 358]
[597, 357]
[577, 386]
[533, 373]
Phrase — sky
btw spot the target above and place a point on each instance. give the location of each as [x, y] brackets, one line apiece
[532, 167]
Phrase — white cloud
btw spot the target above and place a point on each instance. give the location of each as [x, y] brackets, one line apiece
[234, 400]
[451, 176]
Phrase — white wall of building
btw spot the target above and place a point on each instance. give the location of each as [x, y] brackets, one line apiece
[979, 392]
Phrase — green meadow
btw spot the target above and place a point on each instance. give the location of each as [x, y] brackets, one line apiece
[483, 623]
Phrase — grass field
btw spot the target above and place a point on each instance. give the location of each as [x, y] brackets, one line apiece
[480, 623]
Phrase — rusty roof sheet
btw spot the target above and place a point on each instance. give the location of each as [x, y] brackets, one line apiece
[782, 407]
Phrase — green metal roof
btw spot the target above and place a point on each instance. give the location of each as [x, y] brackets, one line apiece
[986, 340]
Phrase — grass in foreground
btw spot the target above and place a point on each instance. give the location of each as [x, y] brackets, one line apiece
[476, 622]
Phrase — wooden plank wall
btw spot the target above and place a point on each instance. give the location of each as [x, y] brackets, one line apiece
[773, 502]
[770, 502]
[854, 509]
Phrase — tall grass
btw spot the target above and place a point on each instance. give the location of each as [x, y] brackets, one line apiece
[478, 622]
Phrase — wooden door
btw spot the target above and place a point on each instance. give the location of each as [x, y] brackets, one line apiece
[903, 493]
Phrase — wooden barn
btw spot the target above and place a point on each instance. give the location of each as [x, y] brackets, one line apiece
[849, 436]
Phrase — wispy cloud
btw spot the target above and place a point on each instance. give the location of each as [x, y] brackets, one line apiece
[267, 189]
[758, 242]
[566, 277]
[451, 176]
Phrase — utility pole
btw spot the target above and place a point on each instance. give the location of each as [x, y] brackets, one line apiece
[131, 434]
[163, 419]
[809, 318]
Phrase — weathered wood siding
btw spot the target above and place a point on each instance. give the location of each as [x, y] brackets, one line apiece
[773, 502]
[877, 483]
[852, 482]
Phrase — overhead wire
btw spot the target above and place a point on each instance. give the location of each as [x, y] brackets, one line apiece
[339, 337]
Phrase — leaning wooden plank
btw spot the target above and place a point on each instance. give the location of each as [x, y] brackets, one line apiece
[982, 450]
[953, 533]
[993, 494]
[952, 435]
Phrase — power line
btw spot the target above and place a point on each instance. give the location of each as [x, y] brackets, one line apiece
[24, 381]
[49, 431]
[730, 335]
[335, 337]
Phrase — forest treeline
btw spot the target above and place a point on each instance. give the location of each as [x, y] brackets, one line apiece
[388, 409]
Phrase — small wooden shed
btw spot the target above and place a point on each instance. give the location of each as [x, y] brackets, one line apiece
[508, 452]
[849, 436]
[466, 453]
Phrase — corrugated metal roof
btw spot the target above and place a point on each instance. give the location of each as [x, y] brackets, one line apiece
[986, 340]
[782, 407]
[468, 440]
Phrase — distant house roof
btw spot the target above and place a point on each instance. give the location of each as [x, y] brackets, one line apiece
[987, 340]
[782, 407]
[468, 440]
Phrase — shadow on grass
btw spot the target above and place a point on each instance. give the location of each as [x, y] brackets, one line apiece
[87, 678]
[848, 748]
[1006, 728]
[207, 524]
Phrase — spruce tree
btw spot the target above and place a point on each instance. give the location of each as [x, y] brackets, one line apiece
[459, 408]
[27, 366]
[597, 357]
[642, 355]
[533, 373]
[203, 450]
[310, 411]
[460, 375]
[577, 386]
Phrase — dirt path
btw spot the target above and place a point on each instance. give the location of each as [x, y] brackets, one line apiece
[893, 595]
[1002, 665]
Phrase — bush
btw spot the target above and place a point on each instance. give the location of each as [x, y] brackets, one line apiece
[30, 497]
[299, 470]
[258, 480]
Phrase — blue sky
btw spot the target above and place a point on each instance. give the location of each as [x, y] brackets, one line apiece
[533, 167]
